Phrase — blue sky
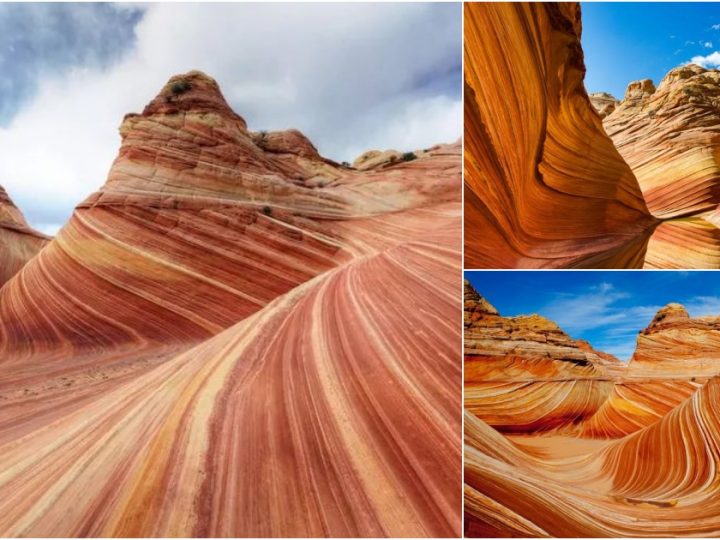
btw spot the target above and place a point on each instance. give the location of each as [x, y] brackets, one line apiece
[624, 42]
[607, 309]
[351, 76]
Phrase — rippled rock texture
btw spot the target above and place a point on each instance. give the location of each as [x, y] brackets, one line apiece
[559, 447]
[588, 181]
[237, 337]
[18, 241]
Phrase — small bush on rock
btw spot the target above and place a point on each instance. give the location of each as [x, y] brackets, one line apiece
[180, 87]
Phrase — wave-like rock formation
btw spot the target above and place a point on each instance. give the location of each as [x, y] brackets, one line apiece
[18, 241]
[524, 374]
[632, 185]
[544, 185]
[237, 337]
[641, 461]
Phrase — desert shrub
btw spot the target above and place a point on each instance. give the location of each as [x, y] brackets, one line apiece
[267, 210]
[409, 156]
[180, 87]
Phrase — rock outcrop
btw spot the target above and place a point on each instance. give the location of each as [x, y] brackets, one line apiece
[18, 241]
[557, 193]
[515, 365]
[604, 103]
[670, 137]
[544, 185]
[638, 459]
[237, 337]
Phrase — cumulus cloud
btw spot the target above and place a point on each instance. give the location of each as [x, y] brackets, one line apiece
[350, 76]
[603, 315]
[610, 319]
[712, 60]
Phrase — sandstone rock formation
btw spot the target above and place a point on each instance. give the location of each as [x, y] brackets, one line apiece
[604, 103]
[637, 459]
[669, 136]
[557, 193]
[237, 337]
[544, 185]
[18, 241]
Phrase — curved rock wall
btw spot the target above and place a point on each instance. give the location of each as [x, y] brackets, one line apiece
[237, 337]
[544, 185]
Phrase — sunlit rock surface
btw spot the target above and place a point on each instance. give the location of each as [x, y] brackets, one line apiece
[588, 181]
[237, 337]
[18, 241]
[544, 185]
[612, 450]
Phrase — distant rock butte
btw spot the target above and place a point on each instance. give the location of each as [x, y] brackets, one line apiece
[624, 447]
[642, 192]
[18, 241]
[604, 103]
[237, 337]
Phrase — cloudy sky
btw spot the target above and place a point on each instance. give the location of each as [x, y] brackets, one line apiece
[350, 76]
[625, 42]
[608, 309]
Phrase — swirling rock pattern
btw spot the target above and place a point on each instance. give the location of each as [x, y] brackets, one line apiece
[639, 189]
[641, 461]
[670, 138]
[524, 374]
[18, 241]
[544, 185]
[237, 337]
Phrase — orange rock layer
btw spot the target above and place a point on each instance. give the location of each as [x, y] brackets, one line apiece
[237, 337]
[544, 184]
[565, 443]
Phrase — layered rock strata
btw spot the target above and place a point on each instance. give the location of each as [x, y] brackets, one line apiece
[237, 337]
[640, 462]
[524, 374]
[544, 185]
[557, 193]
[18, 241]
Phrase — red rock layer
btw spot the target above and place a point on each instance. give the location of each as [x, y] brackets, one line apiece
[237, 337]
[544, 185]
[18, 241]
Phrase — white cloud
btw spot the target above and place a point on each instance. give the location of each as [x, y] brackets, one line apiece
[701, 306]
[710, 61]
[708, 44]
[716, 27]
[350, 76]
[605, 313]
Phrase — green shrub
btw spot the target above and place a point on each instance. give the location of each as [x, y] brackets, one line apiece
[409, 156]
[180, 87]
[267, 210]
[345, 164]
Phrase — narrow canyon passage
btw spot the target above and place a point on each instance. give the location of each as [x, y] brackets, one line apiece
[551, 183]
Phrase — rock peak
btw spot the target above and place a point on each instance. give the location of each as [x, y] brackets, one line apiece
[476, 303]
[193, 91]
[639, 89]
[672, 312]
